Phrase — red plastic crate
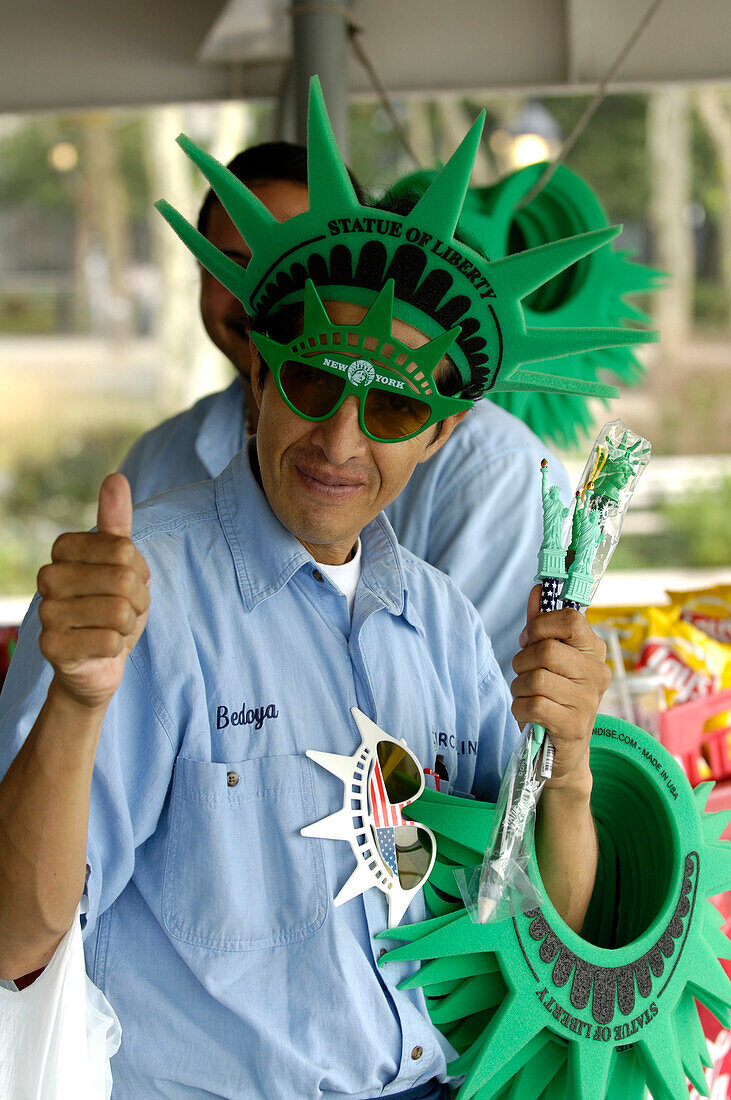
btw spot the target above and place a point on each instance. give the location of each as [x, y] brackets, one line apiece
[683, 733]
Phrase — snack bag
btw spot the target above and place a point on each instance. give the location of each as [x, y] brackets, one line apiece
[708, 609]
[631, 624]
[690, 663]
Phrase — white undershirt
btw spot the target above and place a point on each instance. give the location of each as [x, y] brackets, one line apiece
[345, 577]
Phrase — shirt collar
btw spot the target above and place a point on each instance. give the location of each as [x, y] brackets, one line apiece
[266, 555]
[222, 431]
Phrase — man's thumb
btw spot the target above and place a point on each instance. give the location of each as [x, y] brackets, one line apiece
[114, 514]
[534, 603]
[533, 609]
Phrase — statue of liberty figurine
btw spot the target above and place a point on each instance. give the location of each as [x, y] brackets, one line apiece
[551, 556]
[619, 469]
[588, 534]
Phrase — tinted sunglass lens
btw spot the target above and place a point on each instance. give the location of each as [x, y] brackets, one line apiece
[401, 773]
[311, 391]
[393, 416]
[413, 855]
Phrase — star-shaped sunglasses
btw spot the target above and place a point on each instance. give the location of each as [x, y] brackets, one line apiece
[394, 384]
[380, 779]
[390, 408]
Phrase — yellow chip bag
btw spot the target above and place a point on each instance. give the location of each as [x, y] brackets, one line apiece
[631, 626]
[708, 609]
[689, 663]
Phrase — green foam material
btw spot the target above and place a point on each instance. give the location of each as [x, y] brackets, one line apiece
[442, 876]
[441, 989]
[322, 342]
[528, 1085]
[594, 291]
[437, 904]
[616, 1005]
[473, 994]
[463, 1036]
[349, 252]
[434, 972]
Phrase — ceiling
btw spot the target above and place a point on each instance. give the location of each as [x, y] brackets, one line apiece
[67, 54]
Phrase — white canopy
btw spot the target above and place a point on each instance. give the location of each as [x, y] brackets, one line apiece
[83, 53]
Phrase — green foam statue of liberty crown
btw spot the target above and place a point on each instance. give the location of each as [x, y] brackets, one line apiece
[597, 290]
[537, 1011]
[350, 251]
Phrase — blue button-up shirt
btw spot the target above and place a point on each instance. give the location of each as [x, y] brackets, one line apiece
[211, 926]
[473, 510]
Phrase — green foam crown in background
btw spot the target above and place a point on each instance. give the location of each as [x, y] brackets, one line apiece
[593, 291]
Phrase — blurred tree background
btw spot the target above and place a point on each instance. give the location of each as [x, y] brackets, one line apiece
[99, 334]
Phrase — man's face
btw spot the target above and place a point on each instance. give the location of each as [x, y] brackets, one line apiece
[223, 315]
[326, 481]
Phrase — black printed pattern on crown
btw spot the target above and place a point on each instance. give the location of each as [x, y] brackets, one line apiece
[615, 985]
[406, 269]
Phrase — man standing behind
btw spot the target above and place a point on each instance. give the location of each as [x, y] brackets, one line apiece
[474, 511]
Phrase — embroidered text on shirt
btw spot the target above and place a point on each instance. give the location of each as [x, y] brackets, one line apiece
[441, 739]
[254, 716]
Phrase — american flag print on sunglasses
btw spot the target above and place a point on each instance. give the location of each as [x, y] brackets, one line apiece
[386, 817]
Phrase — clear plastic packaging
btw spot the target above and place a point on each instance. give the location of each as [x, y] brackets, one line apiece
[501, 886]
[610, 477]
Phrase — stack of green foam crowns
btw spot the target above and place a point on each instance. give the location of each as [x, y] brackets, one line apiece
[535, 1010]
[595, 290]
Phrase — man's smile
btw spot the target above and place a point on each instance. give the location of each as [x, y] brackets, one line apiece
[326, 483]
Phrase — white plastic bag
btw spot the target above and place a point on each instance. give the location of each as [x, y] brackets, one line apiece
[58, 1034]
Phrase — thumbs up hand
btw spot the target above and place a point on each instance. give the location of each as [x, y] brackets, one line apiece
[95, 600]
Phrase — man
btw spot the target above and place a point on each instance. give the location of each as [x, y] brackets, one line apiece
[157, 754]
[481, 491]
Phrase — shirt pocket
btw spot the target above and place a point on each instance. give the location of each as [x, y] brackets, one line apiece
[238, 876]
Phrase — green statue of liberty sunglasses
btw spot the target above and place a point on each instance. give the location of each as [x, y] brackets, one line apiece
[393, 383]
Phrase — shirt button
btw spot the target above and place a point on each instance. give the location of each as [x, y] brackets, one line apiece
[318, 575]
[232, 779]
[417, 1053]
